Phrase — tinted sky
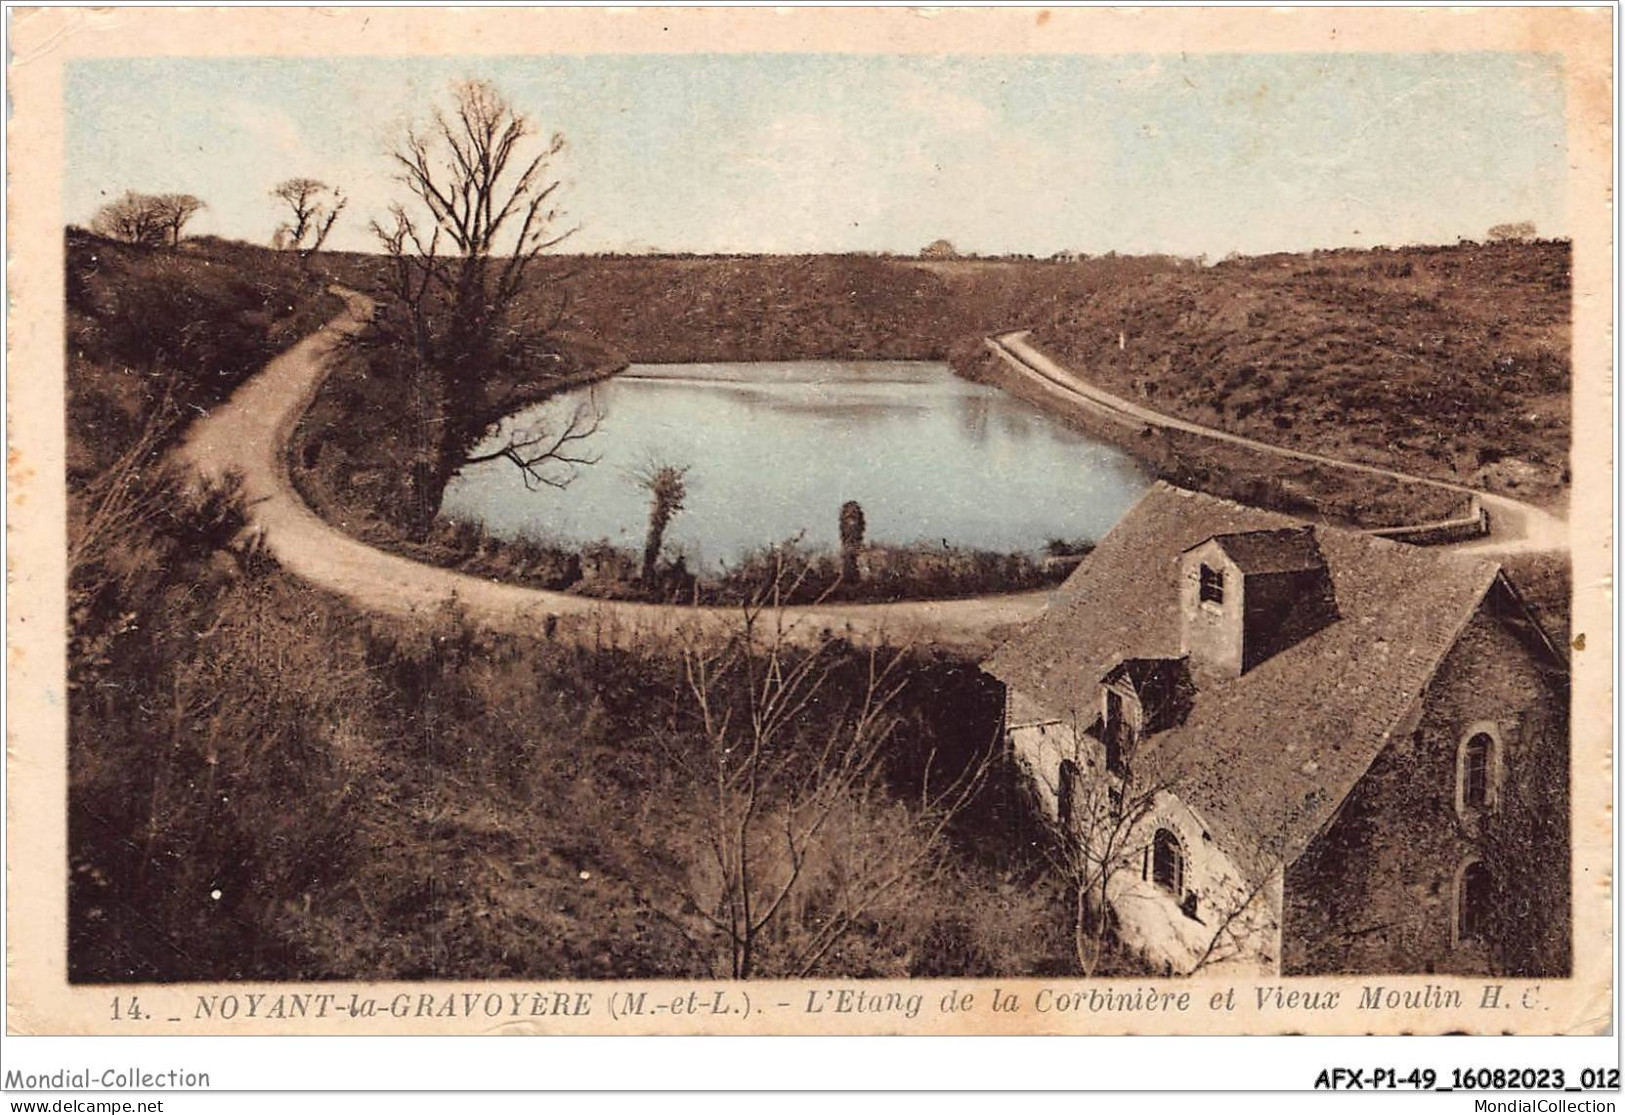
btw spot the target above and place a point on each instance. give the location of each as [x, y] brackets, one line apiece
[1198, 154]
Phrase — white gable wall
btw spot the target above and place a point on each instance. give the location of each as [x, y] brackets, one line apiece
[1245, 919]
[1237, 924]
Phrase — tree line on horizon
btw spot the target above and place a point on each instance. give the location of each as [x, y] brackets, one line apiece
[160, 220]
[155, 220]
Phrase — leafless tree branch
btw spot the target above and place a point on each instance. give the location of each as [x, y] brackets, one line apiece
[540, 454]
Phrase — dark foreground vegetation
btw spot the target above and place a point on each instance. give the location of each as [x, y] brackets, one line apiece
[267, 785]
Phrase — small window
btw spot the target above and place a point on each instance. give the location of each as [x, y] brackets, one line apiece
[1168, 863]
[1476, 763]
[1212, 585]
[1473, 896]
[1475, 771]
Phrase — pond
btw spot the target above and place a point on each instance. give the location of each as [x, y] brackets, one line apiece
[774, 449]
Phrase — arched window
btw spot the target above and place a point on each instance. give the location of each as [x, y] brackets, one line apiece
[1168, 863]
[1473, 896]
[1476, 769]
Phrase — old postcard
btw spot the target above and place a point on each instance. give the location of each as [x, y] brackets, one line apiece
[743, 521]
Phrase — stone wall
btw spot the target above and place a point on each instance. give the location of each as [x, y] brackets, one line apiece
[1377, 891]
[1473, 522]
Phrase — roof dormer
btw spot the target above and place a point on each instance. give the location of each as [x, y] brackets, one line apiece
[1246, 597]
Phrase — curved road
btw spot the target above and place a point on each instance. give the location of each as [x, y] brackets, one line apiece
[1514, 525]
[249, 434]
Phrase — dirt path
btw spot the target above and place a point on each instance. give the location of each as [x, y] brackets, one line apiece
[249, 434]
[1515, 526]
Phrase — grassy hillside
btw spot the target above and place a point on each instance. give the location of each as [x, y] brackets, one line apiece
[1450, 362]
[155, 335]
[679, 308]
[351, 451]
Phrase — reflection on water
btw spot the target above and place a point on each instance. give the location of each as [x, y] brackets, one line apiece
[776, 448]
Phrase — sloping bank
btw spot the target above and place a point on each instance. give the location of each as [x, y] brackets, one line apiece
[249, 435]
[1490, 523]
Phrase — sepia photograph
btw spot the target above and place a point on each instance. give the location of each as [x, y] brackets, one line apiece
[548, 525]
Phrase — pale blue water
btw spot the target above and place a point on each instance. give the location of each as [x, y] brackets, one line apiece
[774, 449]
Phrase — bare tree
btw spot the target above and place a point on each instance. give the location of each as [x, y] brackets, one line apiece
[176, 210]
[134, 218]
[667, 485]
[545, 455]
[797, 840]
[1232, 933]
[468, 302]
[314, 207]
[1095, 835]
[1101, 830]
[149, 219]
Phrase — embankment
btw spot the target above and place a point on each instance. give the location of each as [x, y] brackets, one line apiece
[1517, 525]
[1450, 363]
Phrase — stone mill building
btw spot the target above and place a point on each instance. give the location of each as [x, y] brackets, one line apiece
[1300, 749]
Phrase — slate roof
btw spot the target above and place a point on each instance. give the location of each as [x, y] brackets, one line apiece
[1264, 759]
[1283, 550]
